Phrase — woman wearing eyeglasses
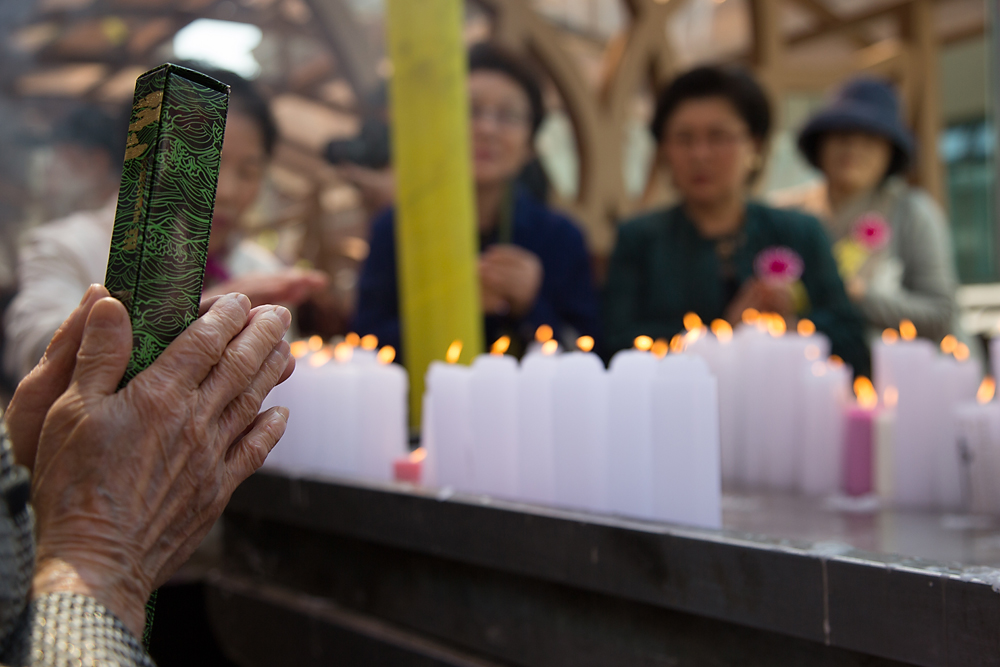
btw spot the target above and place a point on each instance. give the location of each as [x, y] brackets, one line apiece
[533, 268]
[717, 253]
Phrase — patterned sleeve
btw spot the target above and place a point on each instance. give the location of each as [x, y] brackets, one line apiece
[56, 629]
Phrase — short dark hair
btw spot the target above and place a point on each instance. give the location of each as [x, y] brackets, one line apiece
[487, 56]
[733, 84]
[244, 98]
[92, 127]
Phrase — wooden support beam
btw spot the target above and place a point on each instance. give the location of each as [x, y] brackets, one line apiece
[920, 33]
[827, 17]
[355, 58]
[849, 23]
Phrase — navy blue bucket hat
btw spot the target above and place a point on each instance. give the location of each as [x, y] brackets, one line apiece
[866, 105]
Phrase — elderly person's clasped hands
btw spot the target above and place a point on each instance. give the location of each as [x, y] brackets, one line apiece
[126, 483]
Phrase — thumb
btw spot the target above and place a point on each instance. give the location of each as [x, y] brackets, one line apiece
[105, 348]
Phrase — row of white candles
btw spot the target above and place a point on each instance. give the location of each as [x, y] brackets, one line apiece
[640, 438]
[560, 429]
[347, 411]
[919, 437]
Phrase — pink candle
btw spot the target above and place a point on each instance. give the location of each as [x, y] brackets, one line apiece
[410, 468]
[858, 428]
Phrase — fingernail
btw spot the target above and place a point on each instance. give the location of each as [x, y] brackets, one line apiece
[283, 411]
[284, 315]
[284, 349]
[244, 300]
[86, 295]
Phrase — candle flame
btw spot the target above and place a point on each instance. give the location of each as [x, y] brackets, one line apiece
[352, 339]
[806, 328]
[417, 455]
[692, 321]
[660, 348]
[812, 352]
[369, 342]
[315, 343]
[643, 343]
[677, 343]
[819, 369]
[501, 346]
[907, 331]
[835, 361]
[722, 330]
[890, 397]
[343, 352]
[865, 391]
[454, 352]
[890, 336]
[550, 347]
[987, 390]
[544, 333]
[299, 349]
[948, 344]
[320, 358]
[962, 352]
[693, 335]
[387, 354]
[750, 316]
[776, 325]
[585, 343]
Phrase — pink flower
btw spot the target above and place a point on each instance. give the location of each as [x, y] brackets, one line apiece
[872, 231]
[779, 264]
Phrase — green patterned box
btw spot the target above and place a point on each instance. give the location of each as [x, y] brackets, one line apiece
[160, 241]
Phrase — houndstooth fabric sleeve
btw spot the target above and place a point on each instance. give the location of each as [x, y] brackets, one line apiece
[55, 630]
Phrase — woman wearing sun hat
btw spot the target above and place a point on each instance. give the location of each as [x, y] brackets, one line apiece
[890, 239]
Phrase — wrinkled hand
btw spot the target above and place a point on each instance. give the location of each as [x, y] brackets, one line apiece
[288, 287]
[511, 275]
[764, 296]
[127, 483]
[47, 381]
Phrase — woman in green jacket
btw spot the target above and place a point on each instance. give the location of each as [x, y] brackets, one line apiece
[716, 253]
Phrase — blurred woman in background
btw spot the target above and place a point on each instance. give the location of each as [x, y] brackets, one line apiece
[716, 253]
[533, 267]
[890, 239]
[61, 259]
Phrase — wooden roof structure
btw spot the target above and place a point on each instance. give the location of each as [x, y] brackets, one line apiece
[321, 58]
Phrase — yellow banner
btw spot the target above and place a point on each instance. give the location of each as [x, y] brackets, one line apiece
[436, 238]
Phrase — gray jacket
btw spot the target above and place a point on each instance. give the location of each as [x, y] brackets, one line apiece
[915, 278]
[58, 629]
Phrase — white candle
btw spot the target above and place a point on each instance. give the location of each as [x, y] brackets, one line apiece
[383, 390]
[580, 419]
[954, 382]
[448, 386]
[723, 358]
[885, 439]
[335, 444]
[687, 484]
[825, 394]
[905, 368]
[535, 453]
[629, 433]
[978, 443]
[493, 388]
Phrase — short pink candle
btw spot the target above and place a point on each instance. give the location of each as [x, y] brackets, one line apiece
[410, 468]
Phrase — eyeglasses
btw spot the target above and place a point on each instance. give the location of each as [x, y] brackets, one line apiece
[714, 140]
[504, 117]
